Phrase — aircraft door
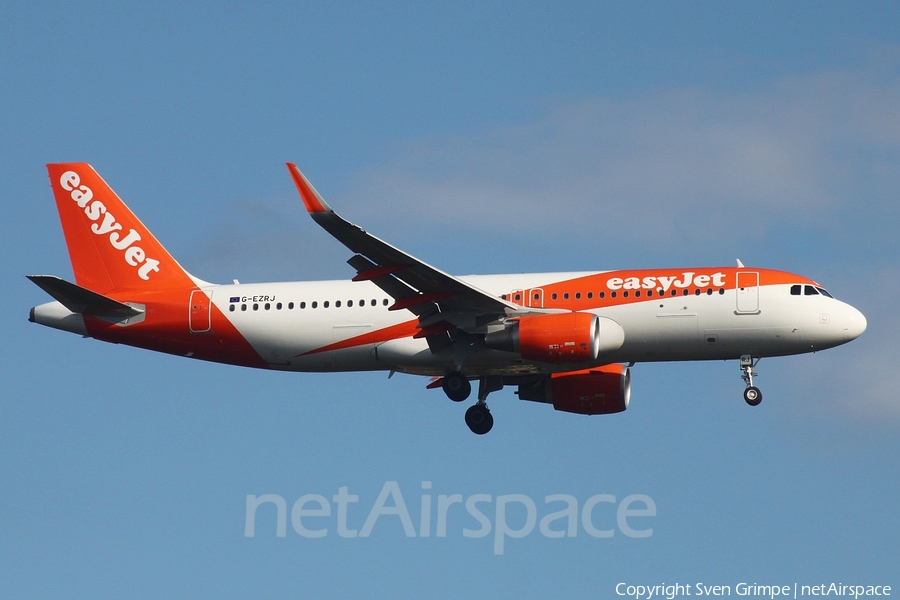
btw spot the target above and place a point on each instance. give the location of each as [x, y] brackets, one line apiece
[198, 317]
[535, 298]
[747, 292]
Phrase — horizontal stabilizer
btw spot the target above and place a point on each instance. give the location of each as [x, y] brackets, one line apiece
[81, 300]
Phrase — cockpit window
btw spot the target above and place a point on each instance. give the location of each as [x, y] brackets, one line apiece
[809, 290]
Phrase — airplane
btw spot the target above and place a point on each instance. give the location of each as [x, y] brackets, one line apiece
[565, 339]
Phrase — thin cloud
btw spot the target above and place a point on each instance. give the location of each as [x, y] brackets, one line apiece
[651, 169]
[818, 151]
[268, 240]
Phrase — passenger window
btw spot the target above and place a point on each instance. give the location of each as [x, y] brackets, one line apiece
[291, 305]
[637, 294]
[337, 304]
[578, 295]
[601, 295]
[278, 306]
[553, 295]
[243, 307]
[566, 296]
[590, 295]
[231, 308]
[795, 290]
[385, 301]
[624, 294]
[315, 304]
[325, 304]
[268, 306]
[613, 295]
[349, 303]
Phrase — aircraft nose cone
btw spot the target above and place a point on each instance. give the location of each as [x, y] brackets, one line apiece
[854, 324]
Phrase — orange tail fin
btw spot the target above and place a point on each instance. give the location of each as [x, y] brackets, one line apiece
[109, 247]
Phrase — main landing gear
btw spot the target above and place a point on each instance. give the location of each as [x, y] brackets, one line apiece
[456, 386]
[478, 416]
[752, 395]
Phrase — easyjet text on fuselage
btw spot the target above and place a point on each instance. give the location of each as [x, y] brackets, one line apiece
[651, 282]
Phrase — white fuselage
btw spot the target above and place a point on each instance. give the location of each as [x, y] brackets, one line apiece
[290, 323]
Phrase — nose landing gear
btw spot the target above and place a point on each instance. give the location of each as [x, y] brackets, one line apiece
[752, 395]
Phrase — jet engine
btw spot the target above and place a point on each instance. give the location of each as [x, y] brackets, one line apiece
[599, 391]
[573, 337]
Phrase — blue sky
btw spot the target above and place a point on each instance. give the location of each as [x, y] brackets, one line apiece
[481, 137]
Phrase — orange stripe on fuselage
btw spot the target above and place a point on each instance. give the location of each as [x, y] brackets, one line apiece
[645, 285]
[400, 330]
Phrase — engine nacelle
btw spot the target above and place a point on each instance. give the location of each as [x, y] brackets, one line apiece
[564, 338]
[573, 337]
[599, 391]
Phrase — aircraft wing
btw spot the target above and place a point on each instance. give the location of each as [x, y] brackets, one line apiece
[442, 302]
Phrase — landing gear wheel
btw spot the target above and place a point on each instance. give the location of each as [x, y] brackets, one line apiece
[479, 419]
[456, 386]
[753, 396]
